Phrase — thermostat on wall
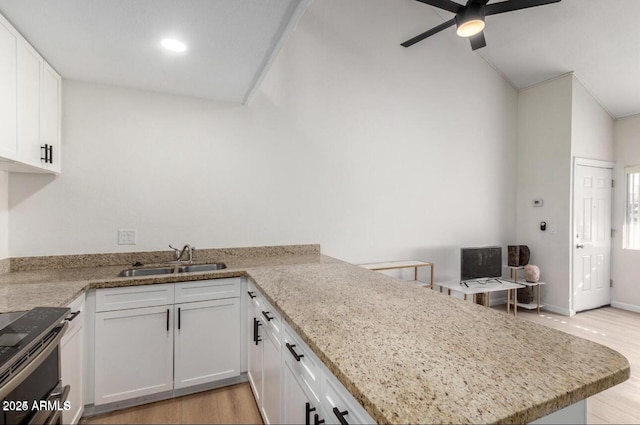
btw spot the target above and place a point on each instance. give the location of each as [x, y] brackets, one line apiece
[537, 202]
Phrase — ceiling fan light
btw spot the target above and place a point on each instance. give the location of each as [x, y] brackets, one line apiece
[470, 28]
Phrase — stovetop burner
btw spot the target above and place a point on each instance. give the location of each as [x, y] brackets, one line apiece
[24, 329]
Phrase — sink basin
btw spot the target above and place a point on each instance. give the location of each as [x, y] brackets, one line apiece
[152, 271]
[202, 267]
[146, 272]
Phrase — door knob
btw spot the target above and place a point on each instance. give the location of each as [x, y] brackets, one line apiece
[579, 246]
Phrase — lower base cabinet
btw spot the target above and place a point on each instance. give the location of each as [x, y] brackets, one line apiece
[298, 406]
[71, 362]
[151, 339]
[271, 379]
[207, 341]
[133, 353]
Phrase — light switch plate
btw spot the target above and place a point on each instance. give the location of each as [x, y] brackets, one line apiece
[127, 236]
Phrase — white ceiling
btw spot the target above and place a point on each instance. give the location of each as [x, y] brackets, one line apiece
[599, 40]
[232, 42]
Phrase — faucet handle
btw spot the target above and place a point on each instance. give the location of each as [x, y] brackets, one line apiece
[176, 252]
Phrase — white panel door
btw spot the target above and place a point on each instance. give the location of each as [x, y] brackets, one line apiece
[271, 379]
[297, 407]
[8, 91]
[591, 237]
[254, 356]
[50, 115]
[207, 341]
[133, 353]
[29, 72]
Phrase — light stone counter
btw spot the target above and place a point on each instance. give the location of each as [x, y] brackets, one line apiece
[407, 354]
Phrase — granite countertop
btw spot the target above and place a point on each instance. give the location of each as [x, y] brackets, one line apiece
[407, 354]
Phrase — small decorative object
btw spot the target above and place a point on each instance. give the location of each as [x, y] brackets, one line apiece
[531, 273]
[518, 255]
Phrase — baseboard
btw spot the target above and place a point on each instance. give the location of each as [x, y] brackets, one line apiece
[623, 306]
[559, 310]
[93, 410]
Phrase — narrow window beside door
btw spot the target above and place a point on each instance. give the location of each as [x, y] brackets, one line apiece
[632, 219]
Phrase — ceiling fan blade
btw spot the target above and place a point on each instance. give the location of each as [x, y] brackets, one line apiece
[448, 5]
[429, 33]
[477, 41]
[508, 6]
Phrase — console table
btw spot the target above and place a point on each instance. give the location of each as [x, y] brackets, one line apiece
[405, 264]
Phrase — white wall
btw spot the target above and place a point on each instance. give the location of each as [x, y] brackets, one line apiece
[544, 172]
[626, 263]
[4, 215]
[557, 121]
[591, 126]
[373, 150]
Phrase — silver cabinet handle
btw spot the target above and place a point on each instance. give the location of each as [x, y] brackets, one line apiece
[579, 246]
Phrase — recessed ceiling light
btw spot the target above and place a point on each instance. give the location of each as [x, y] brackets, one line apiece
[173, 45]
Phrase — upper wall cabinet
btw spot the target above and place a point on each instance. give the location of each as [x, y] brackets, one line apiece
[29, 107]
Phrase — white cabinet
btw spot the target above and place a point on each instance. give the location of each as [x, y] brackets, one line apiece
[29, 107]
[265, 356]
[133, 353]
[29, 75]
[72, 362]
[146, 343]
[254, 348]
[271, 375]
[8, 73]
[338, 405]
[50, 118]
[207, 341]
[299, 407]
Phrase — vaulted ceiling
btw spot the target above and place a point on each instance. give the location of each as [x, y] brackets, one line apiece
[232, 42]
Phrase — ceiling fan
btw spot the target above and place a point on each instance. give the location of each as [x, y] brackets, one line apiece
[469, 18]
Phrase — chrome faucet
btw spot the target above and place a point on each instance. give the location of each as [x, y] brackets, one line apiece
[177, 254]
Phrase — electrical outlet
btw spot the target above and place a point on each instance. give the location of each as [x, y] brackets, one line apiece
[127, 236]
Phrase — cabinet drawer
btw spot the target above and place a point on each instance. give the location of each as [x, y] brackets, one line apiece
[110, 299]
[255, 298]
[203, 290]
[337, 401]
[302, 361]
[271, 319]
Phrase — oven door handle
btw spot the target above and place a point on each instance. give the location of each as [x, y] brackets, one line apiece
[32, 365]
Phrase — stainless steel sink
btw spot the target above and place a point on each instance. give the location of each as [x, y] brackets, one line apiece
[152, 271]
[202, 267]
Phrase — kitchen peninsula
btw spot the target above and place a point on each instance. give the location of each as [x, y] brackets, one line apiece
[406, 354]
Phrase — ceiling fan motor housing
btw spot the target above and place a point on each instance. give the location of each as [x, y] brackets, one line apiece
[472, 13]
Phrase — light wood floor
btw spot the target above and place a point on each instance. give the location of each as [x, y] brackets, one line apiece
[619, 330]
[230, 405]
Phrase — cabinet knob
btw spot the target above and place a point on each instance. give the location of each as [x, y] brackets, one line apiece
[252, 295]
[266, 316]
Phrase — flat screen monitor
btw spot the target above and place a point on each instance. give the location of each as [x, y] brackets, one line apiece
[479, 263]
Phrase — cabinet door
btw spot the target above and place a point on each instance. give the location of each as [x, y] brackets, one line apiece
[71, 364]
[50, 115]
[254, 357]
[271, 374]
[207, 341]
[297, 406]
[29, 72]
[133, 353]
[8, 92]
